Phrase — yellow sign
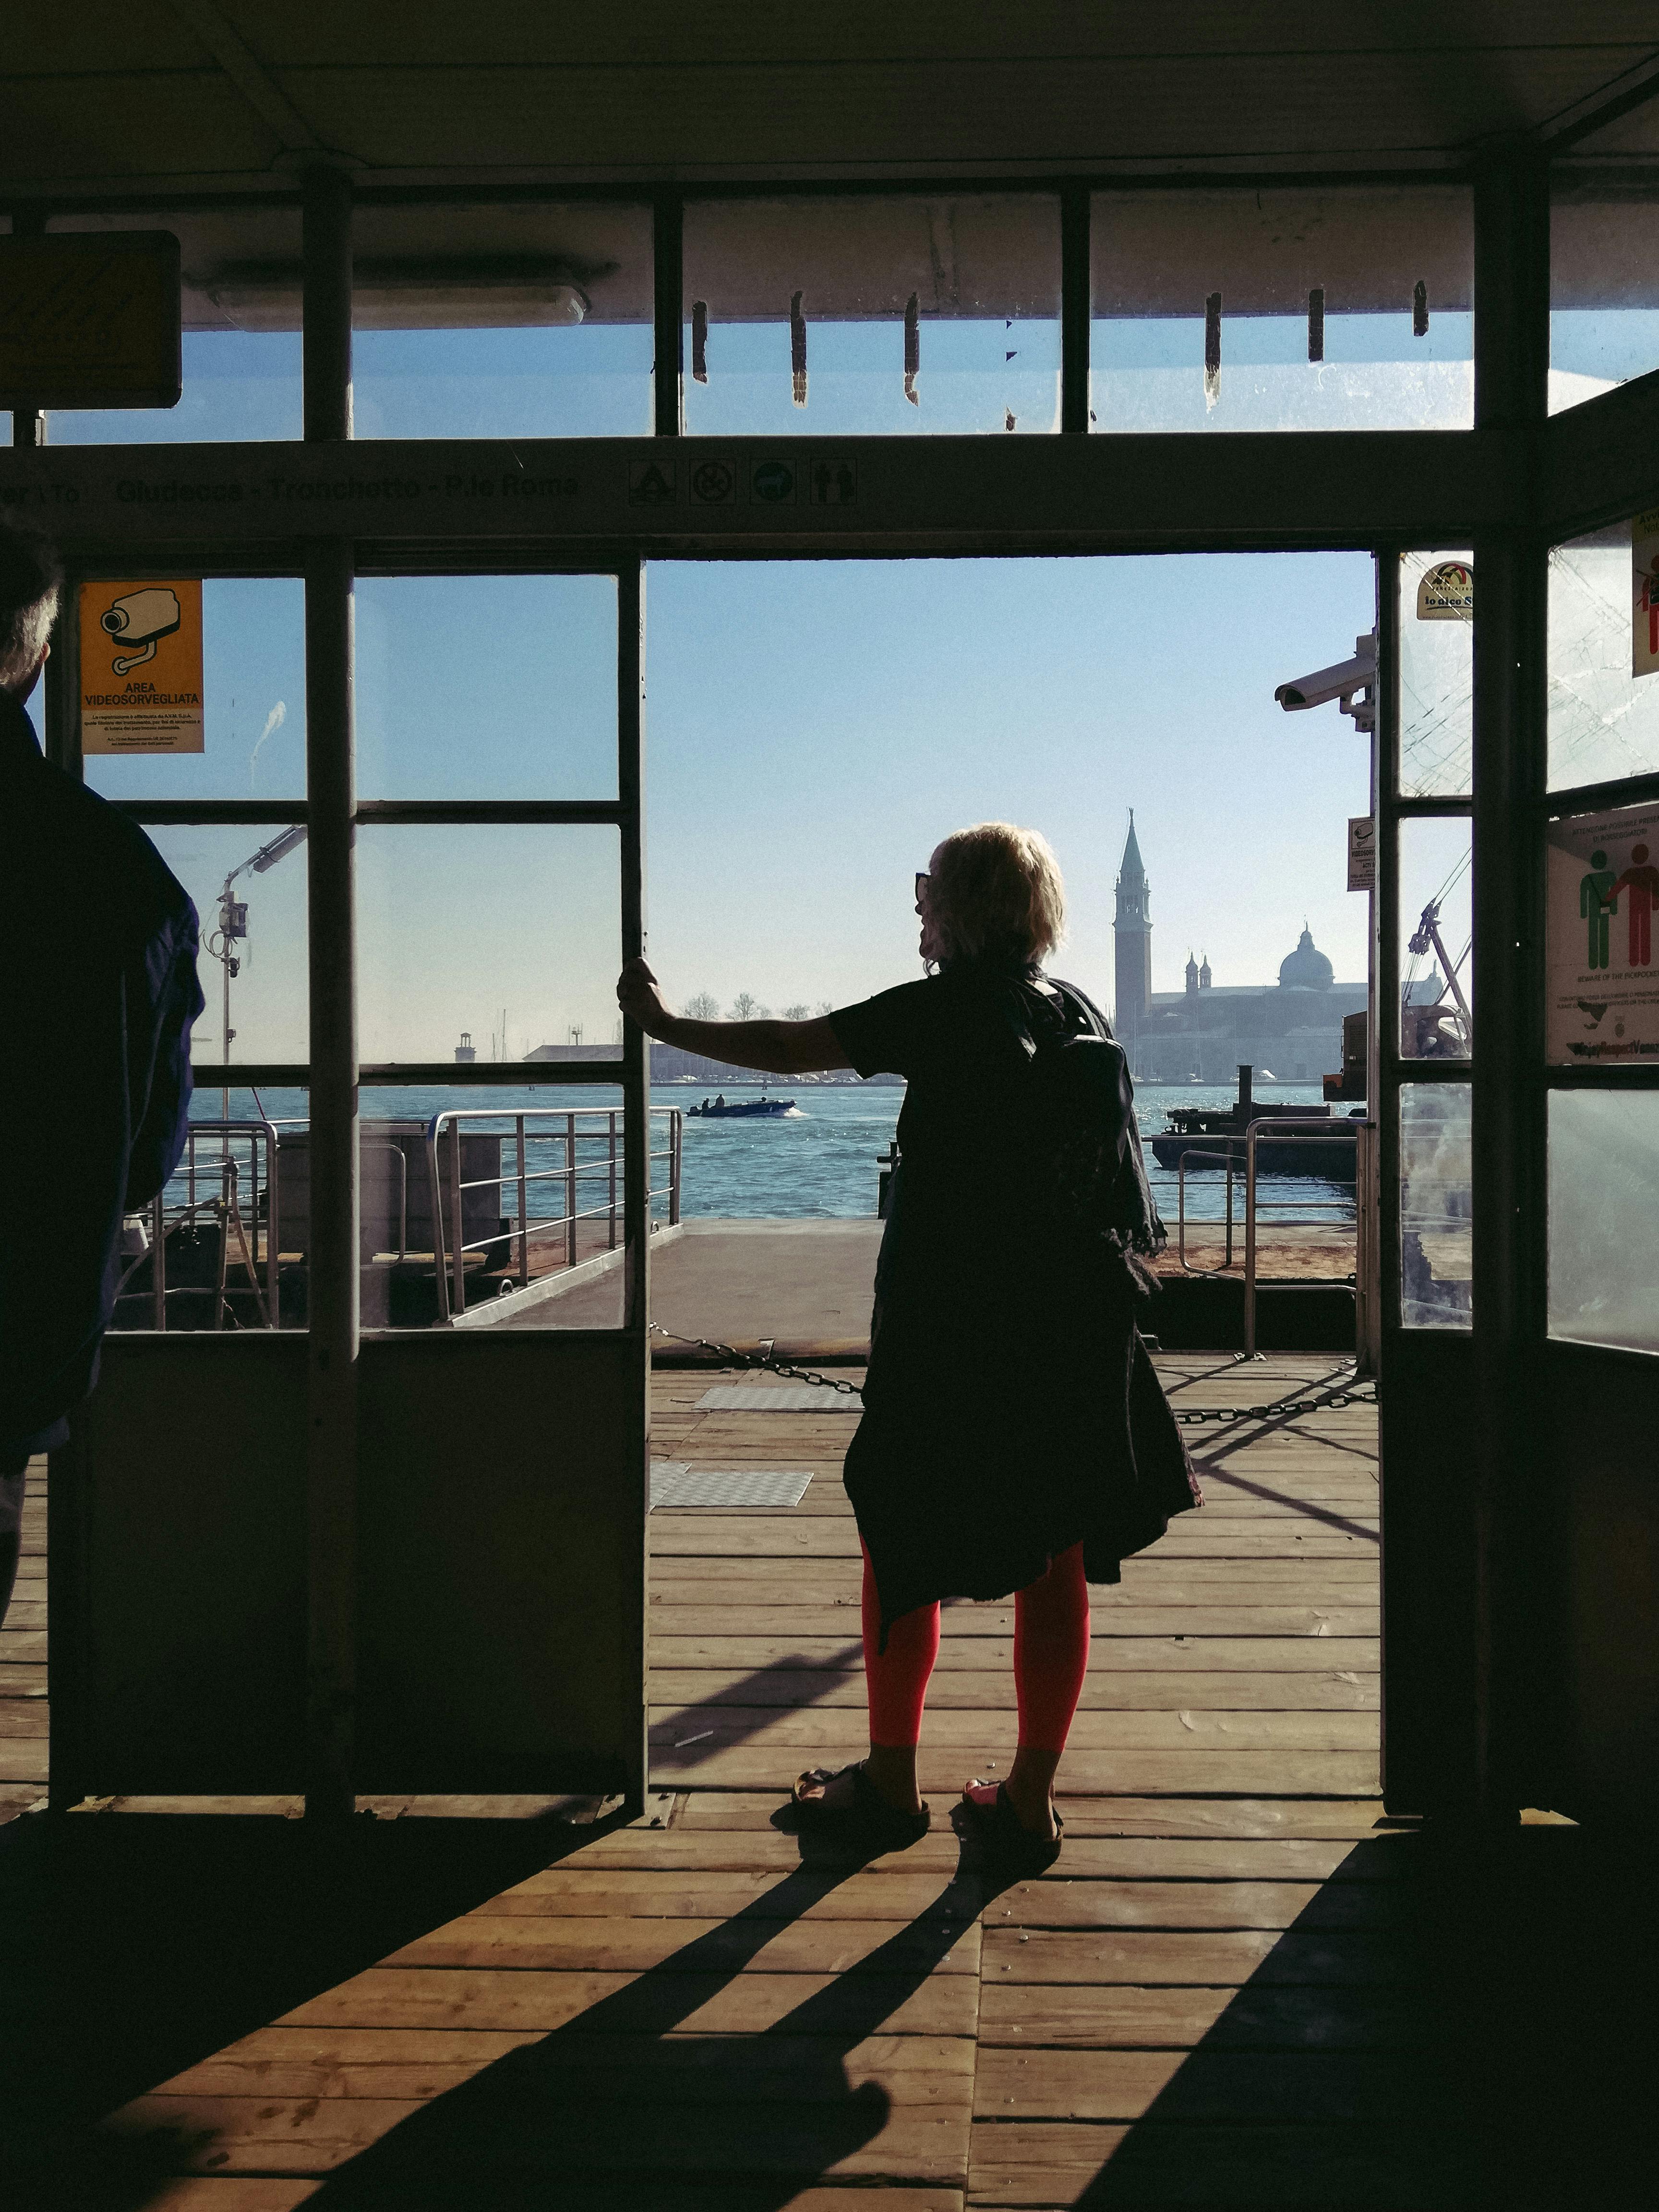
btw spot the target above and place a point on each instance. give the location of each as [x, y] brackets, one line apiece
[90, 318]
[141, 667]
[1446, 593]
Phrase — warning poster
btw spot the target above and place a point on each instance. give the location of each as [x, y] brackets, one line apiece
[1602, 885]
[141, 667]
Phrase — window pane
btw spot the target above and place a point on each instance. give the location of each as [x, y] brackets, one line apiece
[872, 315]
[249, 887]
[1436, 674]
[1436, 1250]
[1604, 1217]
[1283, 310]
[254, 704]
[489, 929]
[1604, 288]
[534, 1176]
[509, 321]
[220, 1267]
[241, 337]
[1603, 719]
[1437, 931]
[487, 687]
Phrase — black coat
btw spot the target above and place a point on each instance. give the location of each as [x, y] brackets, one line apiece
[1011, 1409]
[99, 945]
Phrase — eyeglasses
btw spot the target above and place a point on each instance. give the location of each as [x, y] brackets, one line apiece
[922, 877]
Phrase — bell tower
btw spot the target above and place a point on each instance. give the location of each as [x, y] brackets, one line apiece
[1132, 932]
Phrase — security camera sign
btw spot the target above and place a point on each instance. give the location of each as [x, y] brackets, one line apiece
[141, 667]
[1602, 886]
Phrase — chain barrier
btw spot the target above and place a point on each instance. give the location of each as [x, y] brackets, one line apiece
[1331, 1402]
[731, 1357]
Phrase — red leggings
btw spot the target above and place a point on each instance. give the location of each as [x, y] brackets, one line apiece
[1051, 1657]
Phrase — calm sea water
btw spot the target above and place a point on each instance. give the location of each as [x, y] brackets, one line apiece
[816, 1163]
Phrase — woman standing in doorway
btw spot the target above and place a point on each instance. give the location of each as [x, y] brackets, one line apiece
[1014, 1436]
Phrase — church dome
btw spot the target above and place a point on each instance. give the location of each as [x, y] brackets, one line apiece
[1306, 969]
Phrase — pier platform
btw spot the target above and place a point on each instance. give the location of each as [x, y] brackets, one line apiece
[1244, 1983]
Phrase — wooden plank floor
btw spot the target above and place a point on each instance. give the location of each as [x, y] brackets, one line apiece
[1243, 1985]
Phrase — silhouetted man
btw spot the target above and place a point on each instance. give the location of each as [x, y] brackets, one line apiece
[100, 948]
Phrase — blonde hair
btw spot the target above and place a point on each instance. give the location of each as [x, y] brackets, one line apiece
[995, 891]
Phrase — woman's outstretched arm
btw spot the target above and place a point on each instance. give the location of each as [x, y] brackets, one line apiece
[777, 1048]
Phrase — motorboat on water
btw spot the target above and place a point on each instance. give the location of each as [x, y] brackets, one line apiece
[718, 1108]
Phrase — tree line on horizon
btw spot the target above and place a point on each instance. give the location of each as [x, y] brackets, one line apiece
[745, 1007]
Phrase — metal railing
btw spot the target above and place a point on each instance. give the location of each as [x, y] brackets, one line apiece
[598, 1127]
[224, 1206]
[1209, 1160]
[1283, 1131]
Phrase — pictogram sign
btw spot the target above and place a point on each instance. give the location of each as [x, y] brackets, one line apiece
[141, 667]
[90, 320]
[651, 484]
[713, 484]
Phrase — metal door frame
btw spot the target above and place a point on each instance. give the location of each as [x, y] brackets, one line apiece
[1511, 486]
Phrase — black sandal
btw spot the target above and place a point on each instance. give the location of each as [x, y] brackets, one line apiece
[868, 1825]
[1010, 1848]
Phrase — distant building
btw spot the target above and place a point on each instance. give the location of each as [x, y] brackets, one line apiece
[669, 1064]
[465, 1051]
[1292, 1029]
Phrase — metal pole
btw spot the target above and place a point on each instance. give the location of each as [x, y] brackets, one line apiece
[28, 424]
[675, 1158]
[668, 314]
[158, 1264]
[325, 337]
[1075, 284]
[524, 1211]
[1507, 1198]
[335, 1291]
[636, 1117]
[569, 1190]
[457, 1223]
[1249, 1242]
[612, 1246]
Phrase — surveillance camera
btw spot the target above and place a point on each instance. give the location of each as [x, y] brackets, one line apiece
[140, 619]
[1342, 681]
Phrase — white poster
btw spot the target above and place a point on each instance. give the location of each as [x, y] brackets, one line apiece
[1602, 885]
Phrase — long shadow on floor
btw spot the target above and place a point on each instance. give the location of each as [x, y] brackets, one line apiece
[133, 1945]
[611, 2102]
[617, 2102]
[1477, 2032]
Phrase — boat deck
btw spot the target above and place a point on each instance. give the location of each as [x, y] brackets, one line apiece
[1243, 1984]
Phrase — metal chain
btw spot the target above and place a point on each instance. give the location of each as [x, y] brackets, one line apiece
[732, 1357]
[1332, 1401]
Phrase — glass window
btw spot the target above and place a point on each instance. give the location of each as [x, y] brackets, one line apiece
[873, 314]
[515, 320]
[220, 1266]
[1604, 288]
[1603, 717]
[1436, 1237]
[254, 704]
[241, 335]
[464, 930]
[249, 885]
[1436, 674]
[532, 1173]
[1436, 934]
[1604, 1217]
[486, 687]
[1287, 309]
